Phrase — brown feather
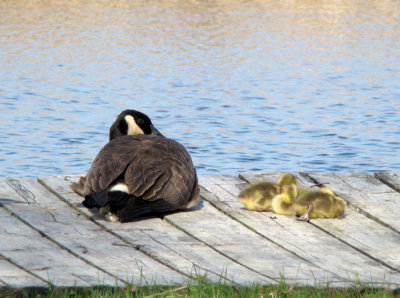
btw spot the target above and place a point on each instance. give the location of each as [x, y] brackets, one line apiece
[154, 168]
[78, 187]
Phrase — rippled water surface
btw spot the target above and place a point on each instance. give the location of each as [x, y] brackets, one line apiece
[244, 85]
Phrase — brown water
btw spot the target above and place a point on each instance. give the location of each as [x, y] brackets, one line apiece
[244, 85]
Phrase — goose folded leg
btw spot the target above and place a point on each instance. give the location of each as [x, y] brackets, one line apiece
[306, 217]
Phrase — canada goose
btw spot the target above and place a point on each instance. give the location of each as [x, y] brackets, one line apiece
[128, 122]
[258, 196]
[136, 174]
[307, 204]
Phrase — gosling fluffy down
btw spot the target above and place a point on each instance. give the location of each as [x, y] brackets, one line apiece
[286, 198]
[140, 174]
[258, 196]
[307, 204]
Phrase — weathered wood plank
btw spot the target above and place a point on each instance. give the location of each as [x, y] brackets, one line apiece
[12, 276]
[355, 229]
[251, 177]
[28, 249]
[164, 242]
[254, 246]
[306, 241]
[75, 233]
[223, 199]
[390, 179]
[247, 248]
[366, 194]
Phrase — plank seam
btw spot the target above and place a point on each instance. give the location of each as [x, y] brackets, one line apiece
[126, 241]
[44, 235]
[194, 264]
[384, 181]
[255, 231]
[312, 180]
[355, 248]
[351, 205]
[243, 178]
[24, 269]
[218, 251]
[263, 236]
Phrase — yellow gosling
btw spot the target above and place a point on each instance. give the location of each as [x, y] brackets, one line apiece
[258, 196]
[307, 204]
[283, 203]
[319, 204]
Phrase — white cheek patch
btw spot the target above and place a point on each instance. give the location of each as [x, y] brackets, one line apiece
[122, 187]
[133, 128]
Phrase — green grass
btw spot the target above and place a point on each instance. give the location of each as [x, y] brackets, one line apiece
[201, 288]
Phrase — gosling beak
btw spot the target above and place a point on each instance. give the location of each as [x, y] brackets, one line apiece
[154, 131]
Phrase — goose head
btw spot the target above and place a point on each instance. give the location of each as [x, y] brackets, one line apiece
[132, 122]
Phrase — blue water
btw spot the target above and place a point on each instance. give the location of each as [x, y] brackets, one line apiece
[244, 85]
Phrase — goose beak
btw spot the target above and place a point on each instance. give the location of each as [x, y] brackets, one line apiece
[154, 131]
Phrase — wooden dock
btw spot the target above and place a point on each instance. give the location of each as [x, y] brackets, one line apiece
[47, 238]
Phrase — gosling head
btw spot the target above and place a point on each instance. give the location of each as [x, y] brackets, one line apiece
[286, 179]
[132, 122]
[290, 192]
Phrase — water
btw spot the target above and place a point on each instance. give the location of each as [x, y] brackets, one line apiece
[244, 85]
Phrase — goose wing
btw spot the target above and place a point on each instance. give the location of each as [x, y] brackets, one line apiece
[153, 168]
[109, 164]
[163, 170]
